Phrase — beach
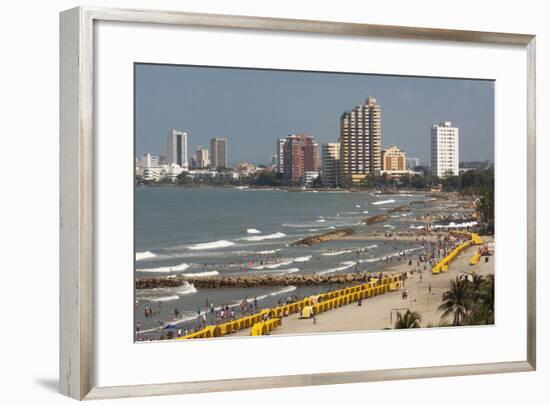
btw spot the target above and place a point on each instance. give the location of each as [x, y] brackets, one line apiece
[214, 273]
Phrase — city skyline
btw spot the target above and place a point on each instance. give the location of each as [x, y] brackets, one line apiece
[251, 121]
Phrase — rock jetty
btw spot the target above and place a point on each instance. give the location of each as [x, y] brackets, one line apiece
[249, 281]
[376, 219]
[320, 238]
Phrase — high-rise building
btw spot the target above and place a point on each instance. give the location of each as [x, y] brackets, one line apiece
[218, 152]
[393, 159]
[412, 163]
[149, 161]
[280, 155]
[300, 155]
[201, 158]
[444, 157]
[330, 164]
[176, 151]
[360, 141]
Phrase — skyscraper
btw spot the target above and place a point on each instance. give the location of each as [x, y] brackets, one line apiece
[330, 164]
[300, 155]
[444, 156]
[360, 141]
[393, 159]
[218, 152]
[280, 155]
[201, 159]
[176, 151]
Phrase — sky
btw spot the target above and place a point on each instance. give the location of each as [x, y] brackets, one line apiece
[252, 108]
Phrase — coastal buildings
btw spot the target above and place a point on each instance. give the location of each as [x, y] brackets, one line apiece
[245, 168]
[300, 155]
[330, 164]
[280, 155]
[218, 152]
[412, 162]
[176, 151]
[393, 159]
[201, 158]
[360, 141]
[149, 161]
[444, 150]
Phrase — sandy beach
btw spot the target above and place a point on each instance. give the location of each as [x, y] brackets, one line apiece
[379, 312]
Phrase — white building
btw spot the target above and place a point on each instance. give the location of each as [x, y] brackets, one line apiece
[202, 159]
[309, 177]
[176, 149]
[149, 161]
[412, 162]
[152, 174]
[444, 157]
[280, 155]
[330, 164]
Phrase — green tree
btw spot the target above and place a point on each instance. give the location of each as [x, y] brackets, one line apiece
[408, 320]
[457, 301]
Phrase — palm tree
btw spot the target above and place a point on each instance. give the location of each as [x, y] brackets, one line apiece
[456, 301]
[408, 320]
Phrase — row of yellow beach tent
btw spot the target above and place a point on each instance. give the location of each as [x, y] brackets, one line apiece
[317, 304]
[443, 265]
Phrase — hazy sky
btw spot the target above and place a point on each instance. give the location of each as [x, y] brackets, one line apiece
[252, 108]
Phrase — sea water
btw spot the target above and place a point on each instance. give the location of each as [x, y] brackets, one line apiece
[231, 231]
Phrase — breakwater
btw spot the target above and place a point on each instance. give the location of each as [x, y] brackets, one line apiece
[249, 281]
[376, 219]
[320, 238]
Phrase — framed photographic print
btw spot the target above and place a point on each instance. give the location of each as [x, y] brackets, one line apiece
[299, 202]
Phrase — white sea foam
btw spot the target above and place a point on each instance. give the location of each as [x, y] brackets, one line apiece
[302, 259]
[144, 255]
[330, 254]
[201, 274]
[358, 206]
[162, 298]
[344, 265]
[321, 221]
[452, 224]
[253, 231]
[165, 269]
[211, 245]
[392, 255]
[266, 237]
[273, 266]
[384, 202]
[290, 270]
[267, 252]
[365, 212]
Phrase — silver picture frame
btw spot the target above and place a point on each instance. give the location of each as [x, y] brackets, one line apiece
[76, 374]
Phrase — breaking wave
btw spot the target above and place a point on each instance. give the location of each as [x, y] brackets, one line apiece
[383, 202]
[144, 255]
[211, 245]
[344, 265]
[253, 231]
[165, 269]
[266, 237]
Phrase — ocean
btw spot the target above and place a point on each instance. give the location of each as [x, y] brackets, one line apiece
[236, 231]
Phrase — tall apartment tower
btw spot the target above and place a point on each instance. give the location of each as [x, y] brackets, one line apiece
[444, 157]
[201, 157]
[300, 155]
[330, 164]
[176, 151]
[218, 152]
[280, 155]
[360, 141]
[393, 159]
